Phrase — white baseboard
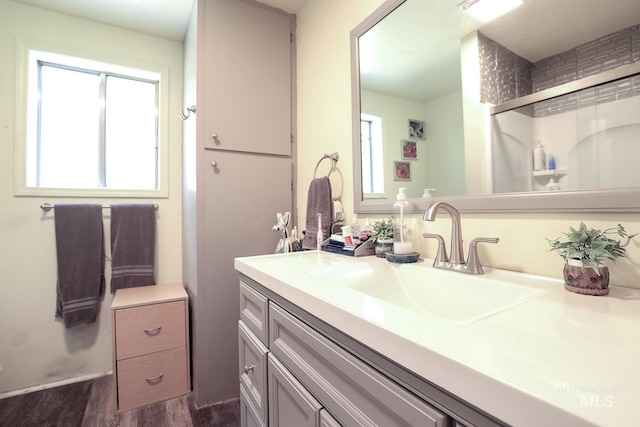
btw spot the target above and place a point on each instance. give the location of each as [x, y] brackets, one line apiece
[53, 384]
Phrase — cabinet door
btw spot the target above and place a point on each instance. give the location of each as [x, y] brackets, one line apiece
[242, 196]
[249, 416]
[326, 420]
[248, 69]
[354, 392]
[289, 403]
[253, 368]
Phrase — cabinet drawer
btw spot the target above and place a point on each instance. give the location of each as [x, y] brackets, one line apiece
[151, 378]
[253, 369]
[351, 390]
[149, 328]
[254, 311]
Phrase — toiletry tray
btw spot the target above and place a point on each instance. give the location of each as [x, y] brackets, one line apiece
[363, 249]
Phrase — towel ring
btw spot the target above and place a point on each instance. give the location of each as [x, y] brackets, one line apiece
[334, 157]
[190, 110]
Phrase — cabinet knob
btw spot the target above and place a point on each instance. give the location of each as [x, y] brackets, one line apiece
[248, 368]
[214, 135]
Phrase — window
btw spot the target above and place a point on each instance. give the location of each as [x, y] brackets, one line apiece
[371, 148]
[91, 128]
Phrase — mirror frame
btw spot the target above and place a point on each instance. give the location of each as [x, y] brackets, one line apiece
[605, 200]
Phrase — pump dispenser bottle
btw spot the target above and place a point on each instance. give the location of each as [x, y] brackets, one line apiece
[400, 245]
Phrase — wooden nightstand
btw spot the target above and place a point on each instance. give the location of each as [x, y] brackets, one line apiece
[150, 344]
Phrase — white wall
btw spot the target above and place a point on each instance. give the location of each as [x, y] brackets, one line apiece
[444, 139]
[36, 349]
[324, 125]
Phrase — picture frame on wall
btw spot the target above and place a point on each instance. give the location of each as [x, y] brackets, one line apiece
[409, 149]
[416, 129]
[402, 171]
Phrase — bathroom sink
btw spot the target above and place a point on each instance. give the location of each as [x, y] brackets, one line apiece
[459, 298]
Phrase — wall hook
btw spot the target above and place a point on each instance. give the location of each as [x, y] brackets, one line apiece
[190, 110]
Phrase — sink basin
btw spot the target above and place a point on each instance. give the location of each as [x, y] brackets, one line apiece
[459, 298]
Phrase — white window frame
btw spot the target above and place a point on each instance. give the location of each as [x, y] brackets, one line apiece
[28, 55]
[374, 156]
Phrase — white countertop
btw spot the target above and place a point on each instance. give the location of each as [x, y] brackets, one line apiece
[556, 359]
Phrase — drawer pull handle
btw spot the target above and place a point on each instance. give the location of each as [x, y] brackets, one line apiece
[248, 368]
[153, 331]
[154, 380]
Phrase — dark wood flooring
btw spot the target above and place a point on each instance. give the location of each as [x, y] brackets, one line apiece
[91, 404]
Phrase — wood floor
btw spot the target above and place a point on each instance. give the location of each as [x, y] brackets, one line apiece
[90, 404]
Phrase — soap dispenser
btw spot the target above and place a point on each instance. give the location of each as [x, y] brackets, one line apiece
[401, 246]
[427, 193]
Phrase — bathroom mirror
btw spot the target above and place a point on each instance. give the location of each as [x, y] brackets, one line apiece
[414, 67]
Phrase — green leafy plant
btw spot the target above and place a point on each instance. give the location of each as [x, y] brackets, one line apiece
[383, 229]
[592, 246]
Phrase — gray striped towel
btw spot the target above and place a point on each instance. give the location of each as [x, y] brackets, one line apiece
[133, 244]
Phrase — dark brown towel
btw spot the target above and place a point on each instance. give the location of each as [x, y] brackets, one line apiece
[133, 245]
[318, 200]
[80, 256]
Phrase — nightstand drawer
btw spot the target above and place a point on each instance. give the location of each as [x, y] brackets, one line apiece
[152, 378]
[149, 329]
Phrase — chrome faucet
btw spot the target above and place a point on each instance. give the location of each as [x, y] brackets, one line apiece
[456, 262]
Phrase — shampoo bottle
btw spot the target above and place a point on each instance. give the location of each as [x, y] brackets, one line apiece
[539, 158]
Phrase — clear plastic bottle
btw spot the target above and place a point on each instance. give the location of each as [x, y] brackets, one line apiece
[355, 226]
[401, 246]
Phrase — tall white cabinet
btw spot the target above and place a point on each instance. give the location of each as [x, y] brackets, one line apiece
[238, 168]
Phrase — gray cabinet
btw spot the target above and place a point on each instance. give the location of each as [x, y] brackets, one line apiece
[237, 169]
[312, 381]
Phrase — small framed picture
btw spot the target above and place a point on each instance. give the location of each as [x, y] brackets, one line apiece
[416, 129]
[409, 149]
[402, 171]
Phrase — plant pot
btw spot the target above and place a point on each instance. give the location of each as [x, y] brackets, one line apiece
[383, 246]
[586, 281]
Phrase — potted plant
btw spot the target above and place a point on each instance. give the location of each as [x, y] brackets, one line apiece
[383, 236]
[584, 251]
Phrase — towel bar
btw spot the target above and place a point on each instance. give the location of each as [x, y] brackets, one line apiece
[48, 206]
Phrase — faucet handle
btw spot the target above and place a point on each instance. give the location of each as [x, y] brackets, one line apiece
[441, 256]
[473, 261]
